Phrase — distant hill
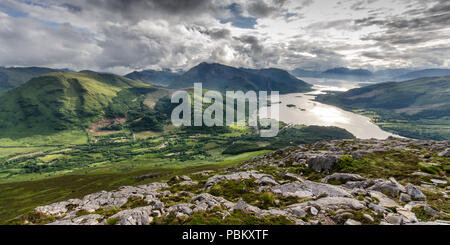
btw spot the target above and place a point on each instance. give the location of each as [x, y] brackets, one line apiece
[342, 71]
[222, 78]
[389, 74]
[305, 73]
[423, 73]
[162, 78]
[417, 108]
[14, 76]
[63, 101]
[384, 75]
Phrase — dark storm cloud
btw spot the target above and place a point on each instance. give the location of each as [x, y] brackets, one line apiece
[135, 10]
[412, 27]
[71, 7]
[253, 41]
[425, 56]
[262, 9]
[440, 7]
[219, 33]
[271, 8]
[128, 7]
[398, 39]
[432, 18]
[214, 33]
[422, 23]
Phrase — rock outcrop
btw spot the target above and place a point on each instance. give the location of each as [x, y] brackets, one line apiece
[296, 185]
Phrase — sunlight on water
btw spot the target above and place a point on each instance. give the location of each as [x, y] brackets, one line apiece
[321, 89]
[301, 109]
[329, 115]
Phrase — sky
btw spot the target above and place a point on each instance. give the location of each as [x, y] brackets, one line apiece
[124, 35]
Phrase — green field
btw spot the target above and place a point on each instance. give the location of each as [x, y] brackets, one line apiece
[33, 176]
[19, 197]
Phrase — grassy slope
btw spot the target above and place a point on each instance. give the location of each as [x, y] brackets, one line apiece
[55, 108]
[20, 197]
[418, 108]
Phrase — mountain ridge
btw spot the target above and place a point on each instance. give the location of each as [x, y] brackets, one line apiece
[11, 77]
[220, 77]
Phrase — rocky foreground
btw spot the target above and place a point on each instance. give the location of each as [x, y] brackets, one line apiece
[351, 182]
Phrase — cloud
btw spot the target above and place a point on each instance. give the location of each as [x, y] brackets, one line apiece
[216, 33]
[135, 10]
[345, 24]
[237, 17]
[419, 19]
[362, 5]
[262, 9]
[419, 57]
[61, 46]
[72, 8]
[120, 36]
[411, 38]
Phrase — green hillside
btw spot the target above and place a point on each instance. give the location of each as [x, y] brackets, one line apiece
[417, 108]
[223, 78]
[15, 76]
[161, 78]
[62, 101]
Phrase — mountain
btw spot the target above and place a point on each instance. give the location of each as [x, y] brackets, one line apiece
[14, 76]
[222, 78]
[346, 72]
[305, 73]
[423, 73]
[390, 74]
[282, 78]
[417, 108]
[162, 78]
[341, 73]
[62, 101]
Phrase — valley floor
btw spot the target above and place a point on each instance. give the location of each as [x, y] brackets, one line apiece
[393, 181]
[36, 175]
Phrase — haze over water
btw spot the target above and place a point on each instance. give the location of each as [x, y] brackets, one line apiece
[309, 112]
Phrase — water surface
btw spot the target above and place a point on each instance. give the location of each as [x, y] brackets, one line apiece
[303, 110]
